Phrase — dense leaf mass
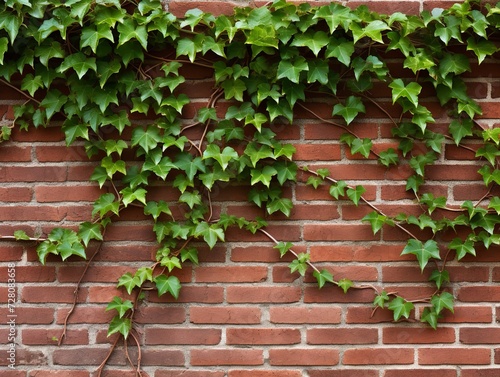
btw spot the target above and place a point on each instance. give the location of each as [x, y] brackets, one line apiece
[95, 66]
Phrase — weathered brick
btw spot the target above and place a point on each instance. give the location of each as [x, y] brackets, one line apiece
[454, 356]
[261, 336]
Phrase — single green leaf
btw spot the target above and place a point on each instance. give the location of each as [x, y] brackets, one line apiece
[353, 106]
[128, 281]
[120, 306]
[400, 308]
[439, 277]
[381, 299]
[120, 325]
[169, 284]
[345, 284]
[443, 301]
[423, 252]
[323, 277]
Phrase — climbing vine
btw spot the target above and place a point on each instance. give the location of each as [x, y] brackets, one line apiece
[110, 73]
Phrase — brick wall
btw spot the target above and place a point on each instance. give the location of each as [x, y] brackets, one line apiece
[241, 313]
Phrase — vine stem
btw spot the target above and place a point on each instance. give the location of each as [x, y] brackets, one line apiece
[271, 237]
[75, 292]
[334, 124]
[104, 362]
[5, 82]
[379, 211]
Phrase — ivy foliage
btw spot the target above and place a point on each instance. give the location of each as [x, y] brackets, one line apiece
[111, 73]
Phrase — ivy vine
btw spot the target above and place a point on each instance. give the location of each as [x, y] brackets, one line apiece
[96, 66]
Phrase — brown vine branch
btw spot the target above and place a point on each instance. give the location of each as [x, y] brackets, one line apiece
[75, 292]
[5, 82]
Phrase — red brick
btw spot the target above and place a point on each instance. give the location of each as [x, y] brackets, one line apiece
[55, 153]
[33, 174]
[195, 336]
[367, 314]
[378, 356]
[187, 373]
[303, 315]
[342, 336]
[457, 356]
[59, 294]
[51, 337]
[80, 193]
[37, 274]
[195, 294]
[32, 315]
[179, 7]
[230, 274]
[25, 357]
[253, 336]
[215, 357]
[58, 373]
[264, 294]
[304, 357]
[317, 152]
[413, 274]
[479, 293]
[85, 314]
[335, 294]
[259, 254]
[156, 315]
[264, 373]
[421, 373]
[15, 153]
[15, 194]
[417, 335]
[490, 372]
[478, 335]
[10, 253]
[355, 273]
[339, 232]
[343, 373]
[358, 253]
[163, 357]
[72, 274]
[224, 315]
[32, 213]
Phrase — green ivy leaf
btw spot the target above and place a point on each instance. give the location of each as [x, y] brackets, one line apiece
[430, 316]
[377, 221]
[300, 264]
[439, 277]
[121, 326]
[170, 284]
[423, 252]
[381, 299]
[79, 62]
[355, 193]
[338, 189]
[350, 110]
[130, 30]
[128, 281]
[345, 284]
[410, 91]
[120, 306]
[210, 233]
[283, 247]
[323, 277]
[400, 308]
[291, 70]
[89, 231]
[314, 41]
[342, 49]
[443, 301]
[130, 195]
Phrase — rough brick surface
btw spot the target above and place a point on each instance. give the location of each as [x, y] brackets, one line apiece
[241, 313]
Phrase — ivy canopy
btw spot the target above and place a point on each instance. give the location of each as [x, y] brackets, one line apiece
[111, 75]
